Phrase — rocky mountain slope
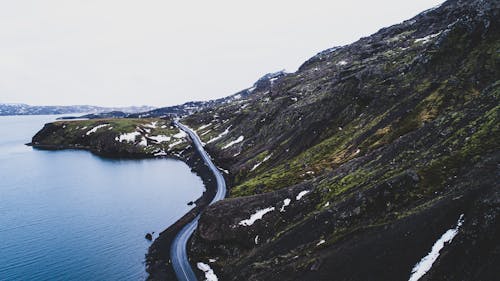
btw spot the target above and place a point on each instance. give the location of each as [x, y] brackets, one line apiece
[377, 160]
[361, 160]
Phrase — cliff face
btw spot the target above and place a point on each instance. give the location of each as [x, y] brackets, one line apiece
[389, 141]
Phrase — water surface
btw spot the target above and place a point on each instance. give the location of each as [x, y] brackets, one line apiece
[71, 215]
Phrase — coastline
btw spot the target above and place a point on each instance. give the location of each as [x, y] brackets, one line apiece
[157, 258]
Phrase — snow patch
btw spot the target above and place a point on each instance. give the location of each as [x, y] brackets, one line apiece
[161, 153]
[286, 202]
[93, 130]
[143, 142]
[238, 140]
[427, 38]
[220, 135]
[256, 240]
[175, 143]
[256, 216]
[180, 135]
[128, 137]
[342, 62]
[209, 273]
[208, 131]
[204, 126]
[260, 163]
[160, 138]
[426, 262]
[151, 125]
[301, 194]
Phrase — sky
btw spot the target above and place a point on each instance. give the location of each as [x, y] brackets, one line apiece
[162, 52]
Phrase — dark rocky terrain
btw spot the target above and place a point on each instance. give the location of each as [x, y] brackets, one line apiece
[395, 136]
[361, 160]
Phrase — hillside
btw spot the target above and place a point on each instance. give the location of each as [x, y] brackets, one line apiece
[393, 138]
[369, 158]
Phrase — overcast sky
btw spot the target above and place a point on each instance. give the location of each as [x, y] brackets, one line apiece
[160, 52]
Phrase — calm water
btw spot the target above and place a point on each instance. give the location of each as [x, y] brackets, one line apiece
[70, 215]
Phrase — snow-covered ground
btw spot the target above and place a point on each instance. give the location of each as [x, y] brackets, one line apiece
[151, 125]
[181, 134]
[301, 194]
[204, 126]
[209, 273]
[220, 135]
[238, 140]
[286, 202]
[93, 130]
[256, 216]
[160, 138]
[426, 262]
[175, 143]
[427, 38]
[128, 137]
[342, 63]
[260, 163]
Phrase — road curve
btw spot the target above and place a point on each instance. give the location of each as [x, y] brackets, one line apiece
[178, 252]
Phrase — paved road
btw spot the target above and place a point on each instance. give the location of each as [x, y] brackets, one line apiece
[178, 253]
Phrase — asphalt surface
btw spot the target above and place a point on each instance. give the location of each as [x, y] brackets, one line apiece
[178, 252]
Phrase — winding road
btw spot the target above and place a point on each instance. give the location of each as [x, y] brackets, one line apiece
[178, 252]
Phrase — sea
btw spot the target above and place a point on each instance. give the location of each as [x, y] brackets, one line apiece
[72, 215]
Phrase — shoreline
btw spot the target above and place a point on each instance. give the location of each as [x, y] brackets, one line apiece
[157, 258]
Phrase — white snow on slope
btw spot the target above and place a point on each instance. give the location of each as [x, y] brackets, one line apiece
[151, 125]
[220, 135]
[93, 130]
[128, 137]
[204, 126]
[427, 38]
[161, 153]
[256, 216]
[260, 163]
[286, 202]
[301, 194]
[160, 138]
[425, 263]
[238, 140]
[175, 143]
[143, 142]
[342, 62]
[209, 273]
[180, 135]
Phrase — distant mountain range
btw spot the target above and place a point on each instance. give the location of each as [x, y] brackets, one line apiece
[264, 83]
[25, 109]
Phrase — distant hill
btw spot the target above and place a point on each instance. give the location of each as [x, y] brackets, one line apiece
[25, 109]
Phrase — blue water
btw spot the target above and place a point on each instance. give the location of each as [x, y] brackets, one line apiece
[71, 215]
